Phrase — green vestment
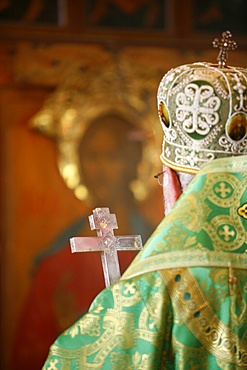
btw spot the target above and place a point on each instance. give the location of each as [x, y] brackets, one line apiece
[182, 303]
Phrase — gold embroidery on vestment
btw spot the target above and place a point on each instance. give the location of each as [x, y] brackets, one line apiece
[242, 211]
[196, 357]
[193, 308]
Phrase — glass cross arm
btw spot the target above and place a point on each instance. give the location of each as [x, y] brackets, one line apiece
[85, 244]
[129, 242]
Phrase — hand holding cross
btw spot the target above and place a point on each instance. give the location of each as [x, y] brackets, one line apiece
[106, 243]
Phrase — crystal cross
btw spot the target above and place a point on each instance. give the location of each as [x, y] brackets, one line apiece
[225, 44]
[106, 243]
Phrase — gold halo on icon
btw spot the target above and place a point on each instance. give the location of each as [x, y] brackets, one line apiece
[86, 95]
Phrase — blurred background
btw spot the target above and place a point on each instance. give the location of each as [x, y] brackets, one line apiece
[64, 67]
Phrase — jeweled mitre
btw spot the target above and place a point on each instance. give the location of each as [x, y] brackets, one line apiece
[203, 112]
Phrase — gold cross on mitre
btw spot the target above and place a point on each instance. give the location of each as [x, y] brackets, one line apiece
[225, 44]
[106, 243]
